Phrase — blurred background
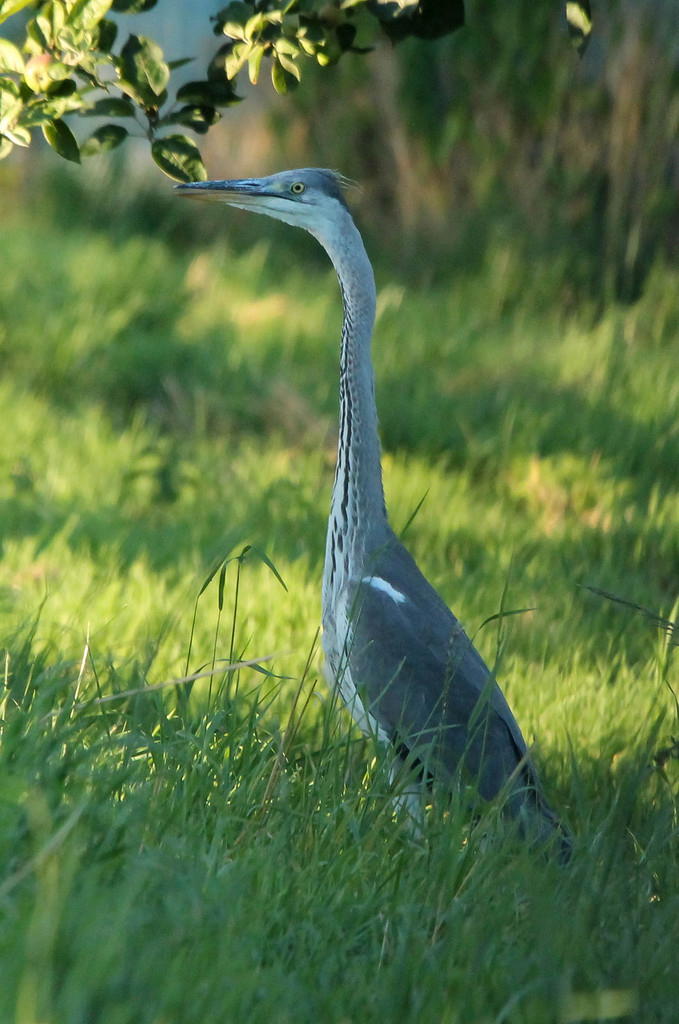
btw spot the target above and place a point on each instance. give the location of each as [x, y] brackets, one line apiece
[495, 134]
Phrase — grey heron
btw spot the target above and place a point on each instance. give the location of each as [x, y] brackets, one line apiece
[401, 661]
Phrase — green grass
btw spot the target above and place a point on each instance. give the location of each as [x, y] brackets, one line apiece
[227, 853]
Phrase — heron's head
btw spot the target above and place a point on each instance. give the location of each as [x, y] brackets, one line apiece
[310, 198]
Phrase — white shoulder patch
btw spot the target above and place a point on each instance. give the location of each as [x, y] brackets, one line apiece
[386, 588]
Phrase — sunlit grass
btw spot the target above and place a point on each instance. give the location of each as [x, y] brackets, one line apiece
[163, 861]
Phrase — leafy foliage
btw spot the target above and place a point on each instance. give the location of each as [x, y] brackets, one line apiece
[69, 58]
[69, 66]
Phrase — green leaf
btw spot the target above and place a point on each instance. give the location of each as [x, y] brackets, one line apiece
[18, 135]
[221, 583]
[579, 18]
[237, 10]
[289, 65]
[179, 158]
[254, 26]
[309, 46]
[143, 71]
[174, 64]
[286, 46]
[6, 146]
[62, 140]
[61, 88]
[10, 58]
[214, 569]
[88, 13]
[133, 6]
[233, 19]
[330, 54]
[107, 35]
[234, 61]
[110, 106]
[216, 71]
[199, 118]
[54, 105]
[75, 40]
[109, 136]
[208, 94]
[51, 20]
[282, 79]
[37, 114]
[254, 62]
[345, 35]
[10, 103]
[35, 37]
[263, 557]
[10, 7]
[290, 25]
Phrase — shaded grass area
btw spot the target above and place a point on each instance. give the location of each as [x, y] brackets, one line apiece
[165, 404]
[150, 878]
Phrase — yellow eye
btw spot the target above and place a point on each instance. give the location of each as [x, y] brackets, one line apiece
[297, 188]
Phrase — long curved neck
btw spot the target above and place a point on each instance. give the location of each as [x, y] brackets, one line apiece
[358, 519]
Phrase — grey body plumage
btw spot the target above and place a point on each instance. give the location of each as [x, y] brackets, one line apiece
[400, 659]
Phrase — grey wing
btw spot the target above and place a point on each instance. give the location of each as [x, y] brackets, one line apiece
[425, 682]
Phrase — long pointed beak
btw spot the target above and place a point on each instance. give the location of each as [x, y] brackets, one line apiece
[244, 192]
